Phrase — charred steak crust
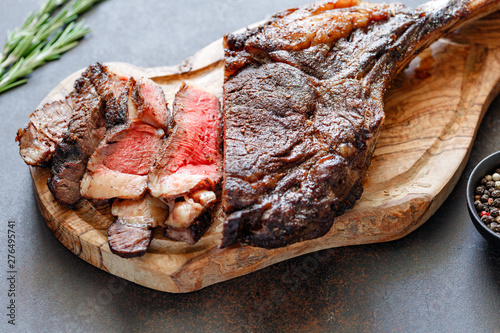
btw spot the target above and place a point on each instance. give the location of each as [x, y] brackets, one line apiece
[38, 141]
[303, 108]
[86, 130]
[109, 86]
[94, 109]
[193, 232]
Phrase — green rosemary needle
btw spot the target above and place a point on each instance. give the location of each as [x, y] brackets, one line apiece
[44, 36]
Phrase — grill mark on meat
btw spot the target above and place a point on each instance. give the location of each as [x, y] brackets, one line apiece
[126, 101]
[298, 79]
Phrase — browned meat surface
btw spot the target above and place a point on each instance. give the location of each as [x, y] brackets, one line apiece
[151, 104]
[49, 124]
[109, 86]
[86, 129]
[37, 142]
[190, 217]
[119, 167]
[99, 104]
[303, 107]
[190, 165]
[131, 234]
[144, 101]
[192, 232]
[130, 239]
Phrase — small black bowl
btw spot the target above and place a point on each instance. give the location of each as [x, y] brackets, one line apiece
[485, 167]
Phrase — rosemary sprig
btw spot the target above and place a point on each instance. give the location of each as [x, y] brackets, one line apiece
[44, 36]
[33, 22]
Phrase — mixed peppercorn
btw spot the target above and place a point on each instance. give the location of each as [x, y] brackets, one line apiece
[487, 200]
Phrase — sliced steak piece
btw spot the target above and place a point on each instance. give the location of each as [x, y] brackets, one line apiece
[86, 129]
[109, 86]
[119, 167]
[99, 104]
[303, 107]
[189, 168]
[131, 234]
[49, 124]
[37, 142]
[131, 238]
[150, 104]
[191, 217]
[190, 158]
[147, 207]
[144, 101]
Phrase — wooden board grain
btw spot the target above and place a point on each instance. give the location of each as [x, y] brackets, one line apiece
[433, 112]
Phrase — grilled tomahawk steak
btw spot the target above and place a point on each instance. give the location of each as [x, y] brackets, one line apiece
[303, 107]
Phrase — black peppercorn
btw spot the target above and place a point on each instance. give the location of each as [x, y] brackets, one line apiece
[487, 200]
[484, 198]
[478, 204]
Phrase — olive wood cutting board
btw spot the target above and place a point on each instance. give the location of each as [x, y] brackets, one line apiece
[433, 110]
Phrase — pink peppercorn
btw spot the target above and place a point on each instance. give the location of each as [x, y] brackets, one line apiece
[483, 213]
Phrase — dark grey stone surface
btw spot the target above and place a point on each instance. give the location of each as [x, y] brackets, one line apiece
[442, 277]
